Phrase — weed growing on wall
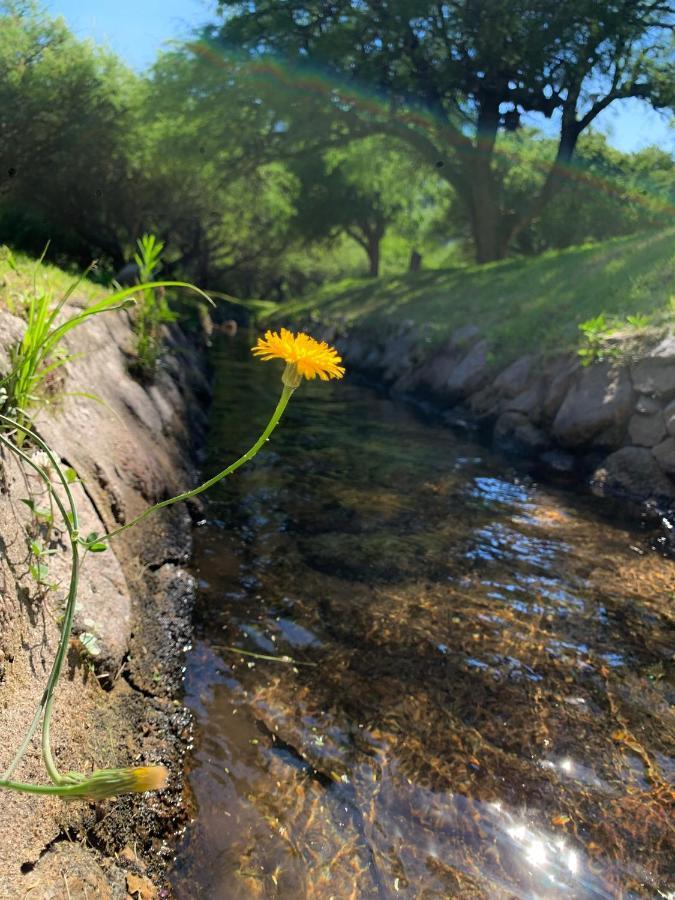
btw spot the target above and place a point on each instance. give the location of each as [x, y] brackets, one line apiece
[153, 308]
[35, 361]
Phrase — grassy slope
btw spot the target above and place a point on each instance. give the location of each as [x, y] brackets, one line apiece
[519, 304]
[20, 275]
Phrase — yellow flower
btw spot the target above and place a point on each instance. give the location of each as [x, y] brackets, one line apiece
[115, 782]
[304, 357]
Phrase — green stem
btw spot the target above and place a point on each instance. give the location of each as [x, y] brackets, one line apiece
[286, 394]
[71, 523]
[60, 790]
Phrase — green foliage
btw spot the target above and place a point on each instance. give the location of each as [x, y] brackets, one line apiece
[605, 194]
[35, 360]
[517, 304]
[452, 79]
[638, 322]
[68, 154]
[262, 185]
[364, 191]
[595, 332]
[33, 381]
[153, 309]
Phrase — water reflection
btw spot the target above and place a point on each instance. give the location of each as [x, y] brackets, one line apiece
[468, 691]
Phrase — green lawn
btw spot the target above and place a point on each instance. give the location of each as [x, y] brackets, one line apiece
[21, 275]
[521, 305]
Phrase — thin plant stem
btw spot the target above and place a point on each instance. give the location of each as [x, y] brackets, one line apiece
[286, 394]
[288, 660]
[71, 522]
[59, 790]
[45, 707]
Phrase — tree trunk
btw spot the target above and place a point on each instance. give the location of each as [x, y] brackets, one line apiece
[486, 225]
[483, 193]
[373, 251]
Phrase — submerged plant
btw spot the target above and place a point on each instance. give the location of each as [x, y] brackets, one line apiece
[304, 358]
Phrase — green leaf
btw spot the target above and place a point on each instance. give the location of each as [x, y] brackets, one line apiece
[89, 643]
[40, 573]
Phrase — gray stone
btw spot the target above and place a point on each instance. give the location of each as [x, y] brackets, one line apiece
[529, 402]
[647, 405]
[485, 403]
[655, 374]
[433, 373]
[647, 430]
[633, 472]
[665, 454]
[400, 355]
[669, 416]
[11, 332]
[596, 408]
[471, 373]
[514, 379]
[558, 375]
[516, 434]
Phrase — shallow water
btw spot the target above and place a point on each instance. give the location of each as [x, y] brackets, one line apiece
[470, 684]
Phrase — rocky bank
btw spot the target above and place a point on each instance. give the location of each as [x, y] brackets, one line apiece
[130, 447]
[611, 423]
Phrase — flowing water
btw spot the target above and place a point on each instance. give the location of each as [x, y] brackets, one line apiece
[469, 685]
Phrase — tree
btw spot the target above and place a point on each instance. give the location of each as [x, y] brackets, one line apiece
[452, 78]
[68, 133]
[362, 191]
[224, 207]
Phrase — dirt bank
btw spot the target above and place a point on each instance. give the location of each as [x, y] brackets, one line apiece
[130, 447]
[610, 424]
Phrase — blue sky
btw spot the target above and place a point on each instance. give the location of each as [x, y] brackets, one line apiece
[136, 29]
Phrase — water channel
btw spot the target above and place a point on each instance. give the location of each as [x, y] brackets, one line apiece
[469, 685]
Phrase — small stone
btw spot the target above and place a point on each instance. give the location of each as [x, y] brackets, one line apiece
[634, 474]
[559, 461]
[514, 379]
[655, 374]
[596, 408]
[141, 887]
[465, 337]
[514, 433]
[669, 416]
[471, 373]
[647, 430]
[647, 405]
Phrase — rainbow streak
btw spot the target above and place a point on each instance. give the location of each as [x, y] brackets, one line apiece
[317, 84]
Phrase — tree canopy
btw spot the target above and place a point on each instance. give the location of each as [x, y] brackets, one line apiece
[450, 78]
[263, 176]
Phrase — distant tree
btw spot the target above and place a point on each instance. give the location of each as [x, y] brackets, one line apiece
[68, 133]
[603, 193]
[450, 78]
[224, 207]
[362, 191]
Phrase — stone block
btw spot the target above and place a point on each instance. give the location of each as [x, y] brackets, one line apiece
[596, 407]
[647, 430]
[633, 472]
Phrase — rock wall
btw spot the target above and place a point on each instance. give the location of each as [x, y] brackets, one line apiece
[130, 447]
[612, 423]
